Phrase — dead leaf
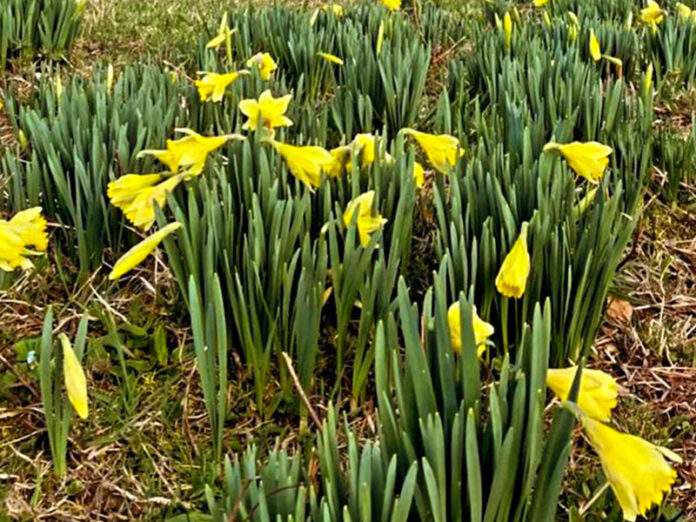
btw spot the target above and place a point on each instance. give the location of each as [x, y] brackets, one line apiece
[619, 310]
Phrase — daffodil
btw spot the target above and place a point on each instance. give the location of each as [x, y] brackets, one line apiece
[190, 152]
[598, 390]
[331, 58]
[223, 35]
[266, 112]
[442, 150]
[512, 276]
[21, 237]
[138, 194]
[540, 3]
[596, 51]
[74, 377]
[418, 174]
[392, 5]
[652, 14]
[334, 9]
[686, 14]
[507, 30]
[212, 86]
[588, 159]
[265, 63]
[636, 470]
[482, 329]
[139, 252]
[306, 163]
[366, 221]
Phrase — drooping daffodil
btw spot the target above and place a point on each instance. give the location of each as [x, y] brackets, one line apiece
[74, 378]
[189, 153]
[482, 329]
[267, 112]
[636, 469]
[306, 163]
[23, 236]
[265, 63]
[588, 159]
[139, 252]
[598, 390]
[138, 194]
[596, 51]
[367, 221]
[212, 86]
[442, 150]
[514, 272]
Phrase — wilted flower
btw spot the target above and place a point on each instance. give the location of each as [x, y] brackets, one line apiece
[637, 470]
[482, 329]
[266, 112]
[74, 377]
[213, 85]
[265, 64]
[366, 222]
[588, 159]
[138, 194]
[21, 237]
[512, 276]
[442, 150]
[139, 252]
[305, 163]
[598, 390]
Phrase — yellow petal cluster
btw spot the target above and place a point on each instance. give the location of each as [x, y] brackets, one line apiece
[442, 150]
[540, 3]
[686, 14]
[392, 5]
[306, 163]
[598, 390]
[138, 194]
[24, 235]
[139, 252]
[482, 329]
[74, 377]
[652, 14]
[265, 63]
[507, 30]
[189, 153]
[212, 86]
[637, 470]
[514, 272]
[266, 112]
[588, 159]
[366, 221]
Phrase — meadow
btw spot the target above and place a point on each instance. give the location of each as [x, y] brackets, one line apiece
[363, 260]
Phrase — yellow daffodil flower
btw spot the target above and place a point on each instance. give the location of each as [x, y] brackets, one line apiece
[138, 194]
[588, 159]
[190, 152]
[366, 222]
[392, 5]
[482, 329]
[598, 390]
[265, 64]
[507, 30]
[442, 150]
[686, 14]
[652, 14]
[540, 3]
[637, 470]
[223, 34]
[74, 377]
[139, 252]
[596, 51]
[26, 229]
[266, 112]
[213, 85]
[306, 163]
[331, 58]
[512, 276]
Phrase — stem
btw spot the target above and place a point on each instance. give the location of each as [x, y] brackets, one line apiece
[504, 323]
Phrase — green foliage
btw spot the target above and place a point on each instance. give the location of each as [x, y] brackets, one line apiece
[30, 27]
